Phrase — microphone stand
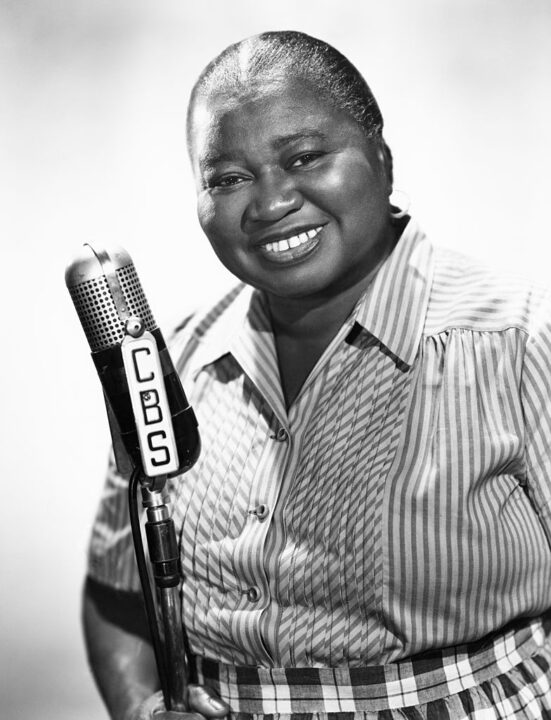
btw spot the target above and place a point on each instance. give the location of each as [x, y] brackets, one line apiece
[169, 646]
[142, 392]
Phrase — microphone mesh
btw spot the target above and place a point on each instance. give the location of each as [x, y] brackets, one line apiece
[98, 314]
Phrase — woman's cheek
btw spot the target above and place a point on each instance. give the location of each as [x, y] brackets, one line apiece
[342, 185]
[215, 219]
[205, 211]
[219, 215]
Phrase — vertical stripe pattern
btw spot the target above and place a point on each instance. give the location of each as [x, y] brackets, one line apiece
[401, 504]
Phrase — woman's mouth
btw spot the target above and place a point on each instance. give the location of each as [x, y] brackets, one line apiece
[291, 248]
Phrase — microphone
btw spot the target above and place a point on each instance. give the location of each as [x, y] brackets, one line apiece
[152, 425]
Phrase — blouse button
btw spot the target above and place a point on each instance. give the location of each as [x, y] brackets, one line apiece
[281, 435]
[253, 594]
[261, 512]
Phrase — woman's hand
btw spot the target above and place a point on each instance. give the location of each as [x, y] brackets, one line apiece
[203, 703]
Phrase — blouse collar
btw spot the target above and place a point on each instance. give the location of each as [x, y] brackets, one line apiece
[392, 309]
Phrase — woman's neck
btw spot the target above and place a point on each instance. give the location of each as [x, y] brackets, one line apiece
[310, 318]
[304, 327]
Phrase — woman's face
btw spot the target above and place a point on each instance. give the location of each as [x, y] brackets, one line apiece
[291, 194]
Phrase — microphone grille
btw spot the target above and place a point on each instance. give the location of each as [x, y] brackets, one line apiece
[97, 311]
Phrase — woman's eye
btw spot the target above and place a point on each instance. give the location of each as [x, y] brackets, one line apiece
[305, 159]
[225, 181]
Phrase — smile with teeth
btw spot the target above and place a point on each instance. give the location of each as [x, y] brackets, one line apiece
[292, 242]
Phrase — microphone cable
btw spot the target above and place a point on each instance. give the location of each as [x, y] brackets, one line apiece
[150, 607]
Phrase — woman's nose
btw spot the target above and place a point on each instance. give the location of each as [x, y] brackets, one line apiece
[274, 196]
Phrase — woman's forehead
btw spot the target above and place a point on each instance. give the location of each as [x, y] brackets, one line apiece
[284, 107]
[255, 94]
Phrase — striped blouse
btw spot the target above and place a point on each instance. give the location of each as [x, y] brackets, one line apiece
[402, 503]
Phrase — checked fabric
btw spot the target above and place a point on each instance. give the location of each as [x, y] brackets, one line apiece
[503, 678]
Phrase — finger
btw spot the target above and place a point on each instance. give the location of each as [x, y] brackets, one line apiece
[205, 701]
[148, 707]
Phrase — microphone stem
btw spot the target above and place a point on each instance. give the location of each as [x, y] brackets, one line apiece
[149, 601]
[175, 652]
[164, 556]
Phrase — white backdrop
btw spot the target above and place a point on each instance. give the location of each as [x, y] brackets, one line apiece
[92, 106]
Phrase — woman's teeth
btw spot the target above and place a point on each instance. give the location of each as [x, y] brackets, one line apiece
[292, 242]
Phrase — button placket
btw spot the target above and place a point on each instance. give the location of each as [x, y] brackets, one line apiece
[261, 512]
[253, 594]
[249, 559]
[281, 435]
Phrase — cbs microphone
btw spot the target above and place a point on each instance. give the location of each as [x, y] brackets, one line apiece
[153, 428]
[151, 421]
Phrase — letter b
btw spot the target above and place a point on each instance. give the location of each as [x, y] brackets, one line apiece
[151, 408]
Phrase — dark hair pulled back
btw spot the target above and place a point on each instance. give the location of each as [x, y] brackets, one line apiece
[272, 56]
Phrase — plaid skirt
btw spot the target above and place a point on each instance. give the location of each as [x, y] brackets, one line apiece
[506, 675]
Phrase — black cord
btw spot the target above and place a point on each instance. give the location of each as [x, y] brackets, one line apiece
[150, 608]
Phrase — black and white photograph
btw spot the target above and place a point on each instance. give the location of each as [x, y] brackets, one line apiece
[276, 360]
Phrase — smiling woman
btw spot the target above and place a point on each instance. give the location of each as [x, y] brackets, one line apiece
[278, 155]
[367, 533]
[293, 180]
[298, 204]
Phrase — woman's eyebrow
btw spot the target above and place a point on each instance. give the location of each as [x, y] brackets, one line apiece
[306, 134]
[211, 159]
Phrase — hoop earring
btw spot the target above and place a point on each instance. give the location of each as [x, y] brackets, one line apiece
[402, 204]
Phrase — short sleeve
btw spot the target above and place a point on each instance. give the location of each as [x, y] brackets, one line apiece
[111, 559]
[536, 399]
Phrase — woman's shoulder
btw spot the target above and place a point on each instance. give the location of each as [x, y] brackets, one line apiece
[208, 314]
[212, 322]
[471, 294]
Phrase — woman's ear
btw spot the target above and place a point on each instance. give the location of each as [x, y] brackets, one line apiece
[386, 159]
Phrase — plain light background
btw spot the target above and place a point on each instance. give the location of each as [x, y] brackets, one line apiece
[92, 105]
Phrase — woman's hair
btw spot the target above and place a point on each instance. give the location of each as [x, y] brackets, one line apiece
[272, 56]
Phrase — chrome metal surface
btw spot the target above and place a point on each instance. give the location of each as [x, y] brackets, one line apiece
[94, 301]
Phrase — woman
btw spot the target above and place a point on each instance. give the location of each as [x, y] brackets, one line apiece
[368, 529]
